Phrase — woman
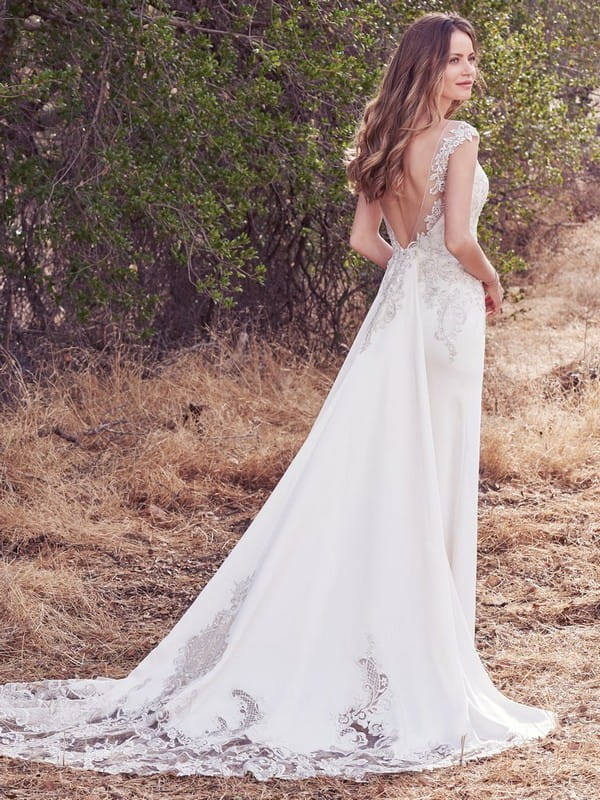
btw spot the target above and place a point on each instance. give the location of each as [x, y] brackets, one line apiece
[337, 636]
[418, 170]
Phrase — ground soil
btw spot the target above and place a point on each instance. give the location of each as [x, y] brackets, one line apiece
[124, 486]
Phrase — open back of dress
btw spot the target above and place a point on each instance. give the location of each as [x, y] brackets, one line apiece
[417, 207]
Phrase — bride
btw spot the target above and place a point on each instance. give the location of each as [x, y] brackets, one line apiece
[337, 638]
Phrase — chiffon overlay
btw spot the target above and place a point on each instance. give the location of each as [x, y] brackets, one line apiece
[337, 638]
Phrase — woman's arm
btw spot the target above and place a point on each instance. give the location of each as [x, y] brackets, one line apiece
[365, 237]
[457, 210]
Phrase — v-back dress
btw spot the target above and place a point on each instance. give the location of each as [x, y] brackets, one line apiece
[337, 637]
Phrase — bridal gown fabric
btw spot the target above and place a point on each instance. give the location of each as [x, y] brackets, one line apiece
[337, 638]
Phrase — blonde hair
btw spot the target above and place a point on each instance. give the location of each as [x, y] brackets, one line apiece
[409, 90]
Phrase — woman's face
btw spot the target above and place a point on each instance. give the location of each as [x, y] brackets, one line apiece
[461, 69]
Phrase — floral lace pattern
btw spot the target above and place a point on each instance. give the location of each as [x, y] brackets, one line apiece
[452, 293]
[463, 132]
[435, 214]
[391, 293]
[144, 743]
[204, 650]
[447, 289]
[359, 724]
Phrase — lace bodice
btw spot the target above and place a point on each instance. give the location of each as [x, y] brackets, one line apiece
[446, 287]
[432, 208]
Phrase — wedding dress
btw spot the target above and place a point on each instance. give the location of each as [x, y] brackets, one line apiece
[337, 638]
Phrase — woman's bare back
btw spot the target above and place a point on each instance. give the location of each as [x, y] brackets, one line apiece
[405, 213]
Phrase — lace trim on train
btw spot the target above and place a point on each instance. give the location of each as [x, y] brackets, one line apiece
[360, 724]
[143, 744]
[61, 722]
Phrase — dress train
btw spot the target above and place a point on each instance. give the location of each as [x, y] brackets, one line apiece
[337, 636]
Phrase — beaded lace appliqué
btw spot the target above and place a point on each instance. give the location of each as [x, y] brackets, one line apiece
[463, 132]
[391, 291]
[66, 723]
[204, 650]
[435, 214]
[448, 288]
[359, 724]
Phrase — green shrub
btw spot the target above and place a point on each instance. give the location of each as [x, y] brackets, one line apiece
[162, 165]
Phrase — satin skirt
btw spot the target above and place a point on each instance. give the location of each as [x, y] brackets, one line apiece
[337, 638]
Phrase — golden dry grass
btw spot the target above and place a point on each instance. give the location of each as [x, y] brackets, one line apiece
[124, 485]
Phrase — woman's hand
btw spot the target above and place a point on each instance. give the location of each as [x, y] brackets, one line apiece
[493, 296]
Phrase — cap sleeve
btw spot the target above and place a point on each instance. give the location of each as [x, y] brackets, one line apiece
[459, 132]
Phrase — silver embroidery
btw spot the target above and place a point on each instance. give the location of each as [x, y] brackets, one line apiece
[448, 289]
[359, 724]
[439, 166]
[452, 293]
[250, 714]
[392, 294]
[140, 743]
[435, 214]
[203, 651]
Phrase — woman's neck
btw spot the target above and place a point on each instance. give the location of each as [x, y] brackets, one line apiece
[443, 107]
[423, 122]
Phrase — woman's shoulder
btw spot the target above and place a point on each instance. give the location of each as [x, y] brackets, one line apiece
[462, 130]
[457, 133]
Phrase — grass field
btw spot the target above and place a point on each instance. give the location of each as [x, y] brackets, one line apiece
[123, 485]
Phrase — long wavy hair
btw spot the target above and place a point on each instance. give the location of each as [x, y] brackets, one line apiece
[409, 91]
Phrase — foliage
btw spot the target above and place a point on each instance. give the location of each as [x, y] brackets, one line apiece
[164, 163]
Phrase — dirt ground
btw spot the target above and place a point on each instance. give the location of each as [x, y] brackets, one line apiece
[123, 486]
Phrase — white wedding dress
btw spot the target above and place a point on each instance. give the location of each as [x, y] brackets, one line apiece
[337, 638]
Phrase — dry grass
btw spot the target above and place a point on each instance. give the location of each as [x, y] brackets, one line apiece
[124, 485]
